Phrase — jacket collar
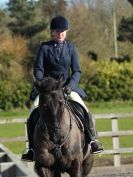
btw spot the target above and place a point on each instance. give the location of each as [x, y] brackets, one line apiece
[54, 44]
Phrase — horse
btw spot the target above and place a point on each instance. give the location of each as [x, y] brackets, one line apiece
[59, 142]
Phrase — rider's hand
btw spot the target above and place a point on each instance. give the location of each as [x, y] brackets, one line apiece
[67, 90]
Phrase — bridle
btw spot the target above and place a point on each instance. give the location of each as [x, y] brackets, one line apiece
[57, 146]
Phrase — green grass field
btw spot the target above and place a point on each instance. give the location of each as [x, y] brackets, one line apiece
[13, 130]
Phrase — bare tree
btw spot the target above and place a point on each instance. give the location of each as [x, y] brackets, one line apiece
[92, 26]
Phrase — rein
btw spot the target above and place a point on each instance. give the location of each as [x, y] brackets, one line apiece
[65, 139]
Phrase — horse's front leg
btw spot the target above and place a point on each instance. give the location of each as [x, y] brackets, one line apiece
[43, 171]
[76, 169]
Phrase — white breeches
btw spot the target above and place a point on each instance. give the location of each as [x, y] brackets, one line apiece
[35, 104]
[73, 96]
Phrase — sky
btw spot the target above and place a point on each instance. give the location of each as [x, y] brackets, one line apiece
[3, 3]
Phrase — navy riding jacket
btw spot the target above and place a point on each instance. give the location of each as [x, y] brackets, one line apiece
[49, 63]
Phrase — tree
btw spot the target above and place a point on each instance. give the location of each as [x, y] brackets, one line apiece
[131, 1]
[3, 22]
[126, 28]
[13, 53]
[25, 19]
[51, 8]
[91, 31]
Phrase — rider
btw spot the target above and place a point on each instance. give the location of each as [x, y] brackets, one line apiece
[55, 58]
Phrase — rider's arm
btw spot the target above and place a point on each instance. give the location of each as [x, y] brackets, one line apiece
[38, 69]
[75, 68]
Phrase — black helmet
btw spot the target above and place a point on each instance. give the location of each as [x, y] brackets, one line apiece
[59, 23]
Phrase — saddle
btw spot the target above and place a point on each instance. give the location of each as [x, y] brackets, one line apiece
[79, 112]
[82, 122]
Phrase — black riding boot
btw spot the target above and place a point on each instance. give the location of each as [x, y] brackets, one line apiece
[31, 123]
[96, 146]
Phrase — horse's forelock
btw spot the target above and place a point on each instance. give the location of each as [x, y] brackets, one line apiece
[49, 84]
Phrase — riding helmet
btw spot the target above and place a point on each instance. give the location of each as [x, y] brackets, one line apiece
[59, 23]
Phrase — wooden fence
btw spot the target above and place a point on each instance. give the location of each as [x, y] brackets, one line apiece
[115, 134]
[12, 166]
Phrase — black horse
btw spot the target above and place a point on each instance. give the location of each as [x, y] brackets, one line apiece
[59, 143]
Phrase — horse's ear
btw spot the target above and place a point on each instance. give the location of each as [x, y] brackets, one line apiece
[61, 81]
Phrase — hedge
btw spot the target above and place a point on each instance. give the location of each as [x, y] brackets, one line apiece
[14, 95]
[111, 81]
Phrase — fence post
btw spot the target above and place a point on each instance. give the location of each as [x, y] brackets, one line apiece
[115, 140]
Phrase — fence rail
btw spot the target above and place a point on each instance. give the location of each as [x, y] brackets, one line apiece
[115, 134]
[11, 165]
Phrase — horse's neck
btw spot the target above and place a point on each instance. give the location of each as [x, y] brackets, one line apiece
[52, 126]
[50, 120]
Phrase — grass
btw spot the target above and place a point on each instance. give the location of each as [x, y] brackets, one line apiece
[111, 107]
[16, 147]
[14, 114]
[13, 130]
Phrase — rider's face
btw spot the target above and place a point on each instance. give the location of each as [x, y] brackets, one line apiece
[58, 35]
